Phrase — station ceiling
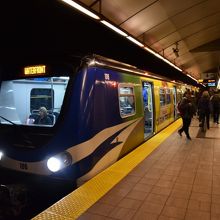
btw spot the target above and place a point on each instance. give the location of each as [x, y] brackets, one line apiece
[186, 33]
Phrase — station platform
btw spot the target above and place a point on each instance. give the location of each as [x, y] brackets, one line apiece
[167, 178]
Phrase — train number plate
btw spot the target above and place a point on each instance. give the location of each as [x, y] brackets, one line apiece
[23, 166]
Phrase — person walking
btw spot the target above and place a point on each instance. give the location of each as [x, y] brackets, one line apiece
[215, 101]
[186, 110]
[204, 109]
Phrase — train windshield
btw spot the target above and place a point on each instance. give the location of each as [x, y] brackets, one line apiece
[32, 101]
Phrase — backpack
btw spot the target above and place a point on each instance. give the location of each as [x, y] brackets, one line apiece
[180, 107]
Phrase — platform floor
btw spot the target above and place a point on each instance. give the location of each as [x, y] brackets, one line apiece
[180, 179]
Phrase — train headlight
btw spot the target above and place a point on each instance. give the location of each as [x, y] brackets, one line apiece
[1, 155]
[59, 161]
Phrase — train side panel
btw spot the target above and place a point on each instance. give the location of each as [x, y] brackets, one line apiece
[117, 132]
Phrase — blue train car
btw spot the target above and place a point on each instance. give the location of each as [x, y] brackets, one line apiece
[99, 109]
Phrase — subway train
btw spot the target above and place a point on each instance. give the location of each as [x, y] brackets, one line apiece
[99, 109]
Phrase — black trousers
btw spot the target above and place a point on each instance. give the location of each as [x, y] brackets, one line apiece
[215, 114]
[205, 117]
[185, 127]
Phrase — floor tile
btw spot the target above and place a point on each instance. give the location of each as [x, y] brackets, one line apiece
[129, 203]
[177, 202]
[151, 208]
[122, 213]
[174, 212]
[156, 199]
[197, 215]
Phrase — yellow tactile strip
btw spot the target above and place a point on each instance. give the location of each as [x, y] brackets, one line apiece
[77, 202]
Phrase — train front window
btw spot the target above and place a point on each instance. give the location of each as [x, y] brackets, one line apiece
[28, 101]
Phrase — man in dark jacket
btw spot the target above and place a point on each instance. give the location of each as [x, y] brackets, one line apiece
[186, 110]
[215, 101]
[204, 109]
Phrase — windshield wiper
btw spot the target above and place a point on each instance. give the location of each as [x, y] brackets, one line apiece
[25, 136]
[11, 122]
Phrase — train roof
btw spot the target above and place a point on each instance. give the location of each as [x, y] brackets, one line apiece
[97, 60]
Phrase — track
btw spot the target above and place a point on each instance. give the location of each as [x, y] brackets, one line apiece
[19, 201]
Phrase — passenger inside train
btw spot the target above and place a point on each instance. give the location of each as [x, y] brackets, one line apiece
[43, 117]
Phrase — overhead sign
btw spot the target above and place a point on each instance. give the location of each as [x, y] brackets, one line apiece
[35, 70]
[211, 84]
[208, 75]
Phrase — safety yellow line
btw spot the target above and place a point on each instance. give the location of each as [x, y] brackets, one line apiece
[77, 202]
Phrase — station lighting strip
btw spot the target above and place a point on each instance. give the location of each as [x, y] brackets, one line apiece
[121, 32]
[218, 84]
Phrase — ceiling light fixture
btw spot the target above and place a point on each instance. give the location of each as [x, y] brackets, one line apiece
[192, 77]
[135, 41]
[106, 23]
[162, 58]
[82, 9]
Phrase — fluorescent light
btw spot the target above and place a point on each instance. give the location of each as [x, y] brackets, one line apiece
[191, 77]
[154, 53]
[171, 64]
[82, 9]
[135, 41]
[162, 58]
[114, 28]
[218, 85]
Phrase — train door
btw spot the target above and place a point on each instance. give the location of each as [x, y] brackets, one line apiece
[148, 108]
[175, 102]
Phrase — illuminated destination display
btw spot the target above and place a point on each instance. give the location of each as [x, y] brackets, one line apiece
[211, 84]
[35, 70]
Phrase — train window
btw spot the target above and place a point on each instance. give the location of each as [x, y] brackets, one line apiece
[126, 100]
[41, 97]
[168, 97]
[162, 97]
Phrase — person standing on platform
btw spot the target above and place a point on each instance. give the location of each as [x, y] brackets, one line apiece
[186, 110]
[204, 109]
[215, 101]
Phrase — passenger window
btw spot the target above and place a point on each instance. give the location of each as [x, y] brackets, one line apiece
[162, 97]
[41, 97]
[126, 100]
[168, 98]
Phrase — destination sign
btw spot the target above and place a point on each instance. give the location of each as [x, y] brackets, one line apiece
[35, 70]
